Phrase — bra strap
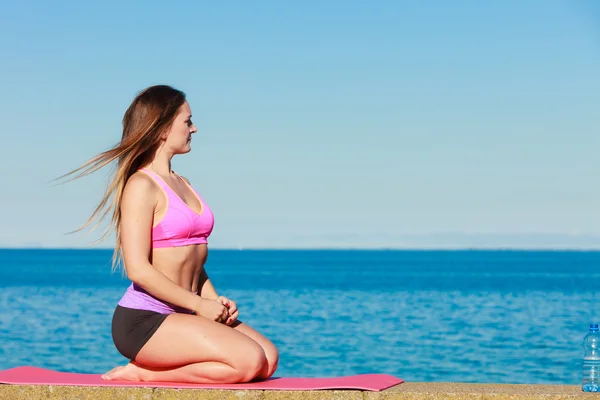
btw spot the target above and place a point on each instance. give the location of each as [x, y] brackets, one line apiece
[154, 176]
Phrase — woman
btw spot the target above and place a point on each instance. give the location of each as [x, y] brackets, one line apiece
[170, 323]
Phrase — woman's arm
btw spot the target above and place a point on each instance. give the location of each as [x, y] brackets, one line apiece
[206, 289]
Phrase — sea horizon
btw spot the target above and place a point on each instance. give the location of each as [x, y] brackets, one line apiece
[374, 248]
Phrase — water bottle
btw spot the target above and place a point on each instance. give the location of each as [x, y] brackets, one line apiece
[591, 360]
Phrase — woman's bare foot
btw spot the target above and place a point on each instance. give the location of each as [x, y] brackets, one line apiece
[129, 372]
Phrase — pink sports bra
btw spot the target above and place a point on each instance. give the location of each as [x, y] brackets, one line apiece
[180, 226]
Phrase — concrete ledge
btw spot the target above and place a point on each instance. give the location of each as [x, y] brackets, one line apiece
[405, 391]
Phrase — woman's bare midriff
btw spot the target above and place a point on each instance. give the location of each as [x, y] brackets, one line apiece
[183, 265]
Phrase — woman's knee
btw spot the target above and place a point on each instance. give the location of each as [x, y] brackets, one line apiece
[250, 363]
[272, 355]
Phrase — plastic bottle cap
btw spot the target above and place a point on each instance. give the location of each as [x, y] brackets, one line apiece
[593, 327]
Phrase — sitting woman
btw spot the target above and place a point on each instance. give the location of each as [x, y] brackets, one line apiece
[170, 323]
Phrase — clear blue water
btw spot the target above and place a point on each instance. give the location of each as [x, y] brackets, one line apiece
[463, 316]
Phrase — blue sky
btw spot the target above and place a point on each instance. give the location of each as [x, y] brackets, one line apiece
[321, 124]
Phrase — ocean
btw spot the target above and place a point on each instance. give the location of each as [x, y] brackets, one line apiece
[461, 316]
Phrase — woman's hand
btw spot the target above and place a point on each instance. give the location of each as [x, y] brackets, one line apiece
[232, 309]
[214, 310]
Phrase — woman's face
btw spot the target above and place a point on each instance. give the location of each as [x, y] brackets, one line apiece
[179, 137]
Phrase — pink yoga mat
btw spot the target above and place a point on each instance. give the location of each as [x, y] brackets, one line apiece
[40, 376]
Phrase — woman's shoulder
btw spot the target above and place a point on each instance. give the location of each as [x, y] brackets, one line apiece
[185, 179]
[139, 186]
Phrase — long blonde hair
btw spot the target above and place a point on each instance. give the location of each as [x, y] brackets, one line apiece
[151, 113]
